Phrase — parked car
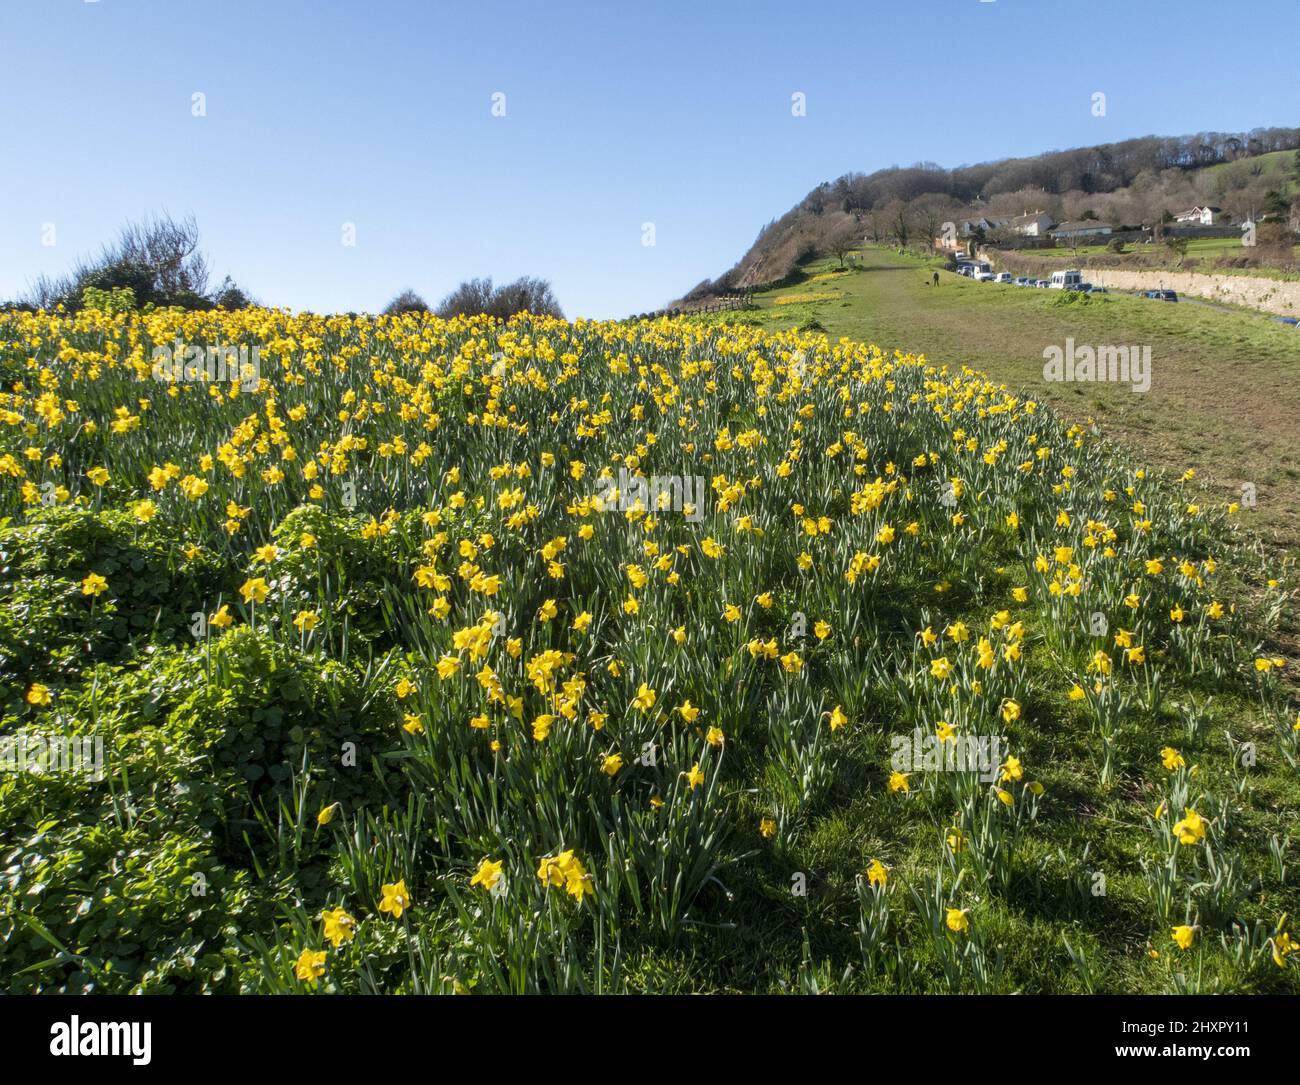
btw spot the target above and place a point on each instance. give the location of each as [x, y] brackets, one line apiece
[1002, 277]
[1022, 281]
[1066, 280]
[1042, 284]
[1097, 289]
[984, 276]
[1168, 295]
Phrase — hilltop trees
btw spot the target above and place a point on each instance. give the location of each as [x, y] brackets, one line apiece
[158, 259]
[1133, 181]
[408, 301]
[479, 296]
[526, 295]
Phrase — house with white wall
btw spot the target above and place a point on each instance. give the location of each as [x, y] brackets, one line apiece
[1201, 216]
[1033, 224]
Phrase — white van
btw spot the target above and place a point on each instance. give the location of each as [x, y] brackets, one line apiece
[1066, 280]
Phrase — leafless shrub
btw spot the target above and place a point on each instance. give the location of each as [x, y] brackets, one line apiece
[523, 295]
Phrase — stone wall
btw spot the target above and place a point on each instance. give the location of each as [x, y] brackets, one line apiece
[1268, 295]
[1278, 296]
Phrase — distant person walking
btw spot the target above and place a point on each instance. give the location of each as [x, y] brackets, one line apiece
[936, 278]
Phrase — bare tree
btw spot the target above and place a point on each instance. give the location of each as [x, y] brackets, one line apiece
[526, 295]
[469, 298]
[169, 248]
[932, 210]
[523, 295]
[158, 259]
[843, 242]
[898, 219]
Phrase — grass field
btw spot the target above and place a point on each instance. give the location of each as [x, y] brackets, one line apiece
[1275, 166]
[434, 656]
[1225, 392]
[1202, 252]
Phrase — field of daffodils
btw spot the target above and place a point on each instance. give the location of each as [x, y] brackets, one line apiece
[371, 654]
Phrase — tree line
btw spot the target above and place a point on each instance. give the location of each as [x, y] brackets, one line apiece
[160, 261]
[1128, 182]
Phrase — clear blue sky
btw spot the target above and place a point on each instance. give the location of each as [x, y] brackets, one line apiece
[321, 112]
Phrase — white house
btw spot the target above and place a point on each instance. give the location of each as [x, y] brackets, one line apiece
[1201, 216]
[988, 225]
[1035, 224]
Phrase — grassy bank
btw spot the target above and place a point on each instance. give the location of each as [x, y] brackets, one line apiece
[397, 694]
[1225, 392]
